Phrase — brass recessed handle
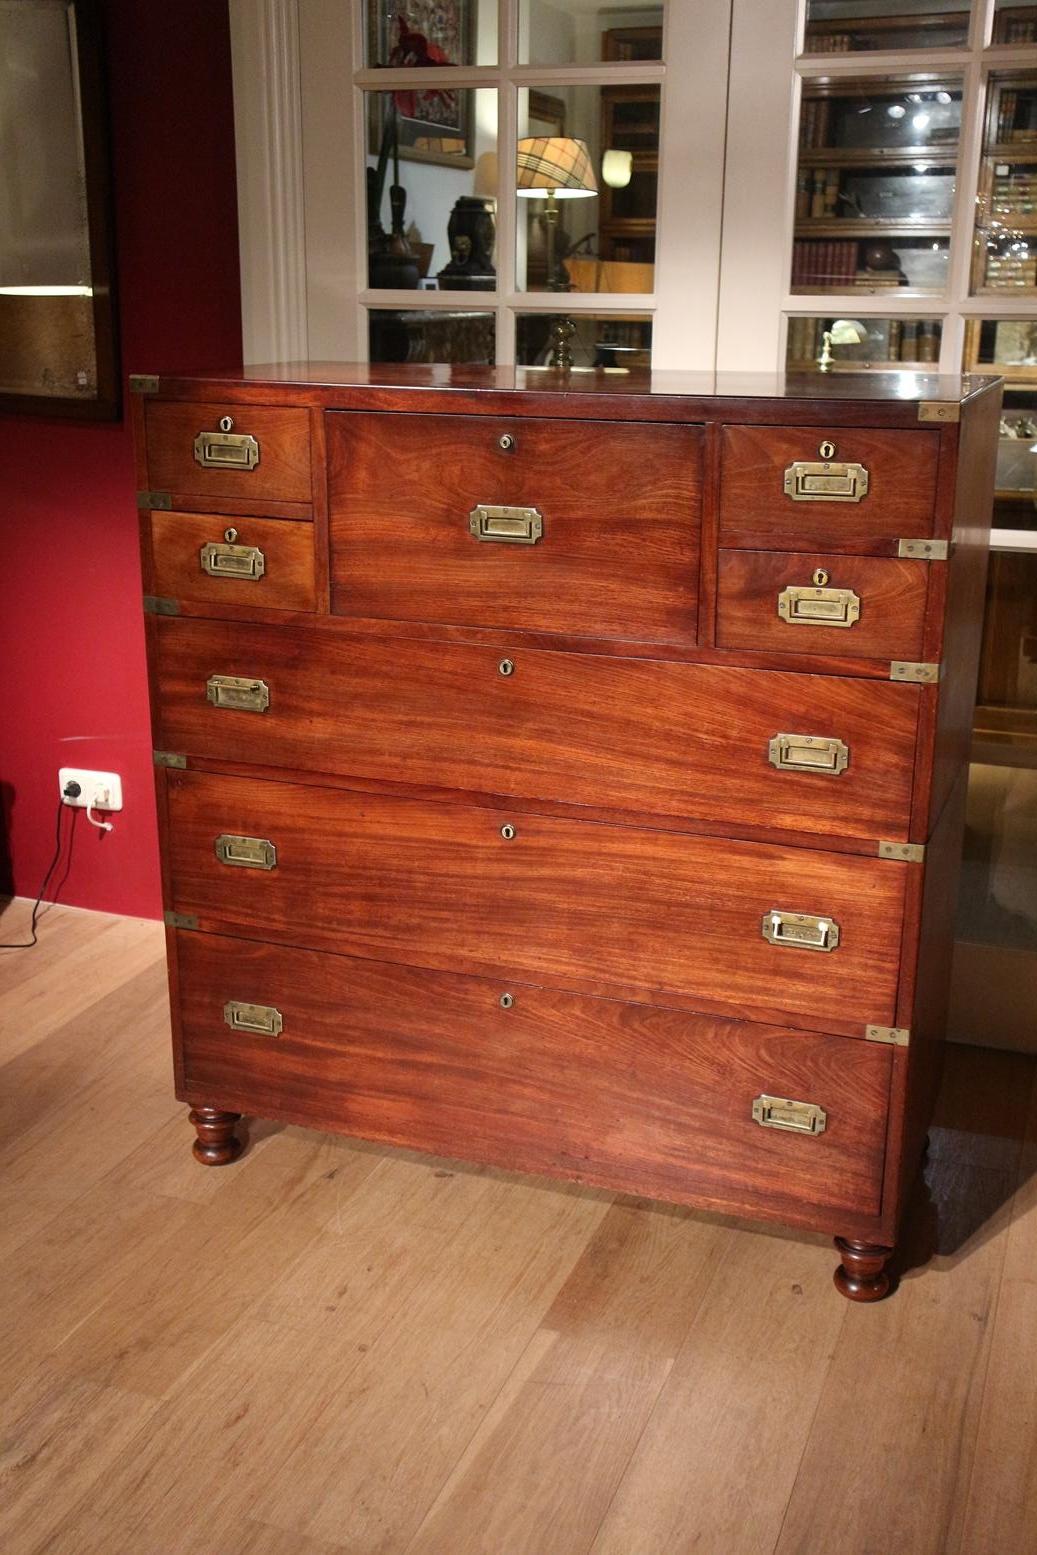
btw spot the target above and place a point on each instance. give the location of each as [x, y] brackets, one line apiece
[245, 852]
[507, 525]
[808, 753]
[815, 605]
[226, 450]
[808, 480]
[263, 1019]
[799, 930]
[238, 693]
[797, 1117]
[232, 561]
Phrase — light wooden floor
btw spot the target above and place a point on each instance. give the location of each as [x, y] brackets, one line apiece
[330, 1347]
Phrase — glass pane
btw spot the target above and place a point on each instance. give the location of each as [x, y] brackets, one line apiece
[862, 343]
[408, 34]
[431, 335]
[610, 341]
[1004, 347]
[845, 26]
[1014, 23]
[584, 32]
[1006, 210]
[432, 182]
[997, 904]
[875, 185]
[588, 187]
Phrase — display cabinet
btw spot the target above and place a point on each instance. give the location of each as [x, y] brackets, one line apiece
[850, 27]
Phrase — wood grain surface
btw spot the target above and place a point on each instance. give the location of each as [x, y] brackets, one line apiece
[619, 555]
[287, 582]
[648, 737]
[283, 434]
[439, 886]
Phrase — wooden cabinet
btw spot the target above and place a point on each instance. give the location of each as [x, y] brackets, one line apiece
[567, 775]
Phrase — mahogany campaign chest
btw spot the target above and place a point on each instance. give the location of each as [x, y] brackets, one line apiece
[566, 772]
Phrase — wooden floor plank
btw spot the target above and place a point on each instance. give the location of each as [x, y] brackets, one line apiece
[542, 1469]
[714, 1469]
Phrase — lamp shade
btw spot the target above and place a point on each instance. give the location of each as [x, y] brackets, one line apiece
[553, 164]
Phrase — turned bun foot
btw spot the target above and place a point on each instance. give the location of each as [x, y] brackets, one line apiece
[217, 1144]
[861, 1276]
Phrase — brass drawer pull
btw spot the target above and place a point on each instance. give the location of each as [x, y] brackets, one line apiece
[799, 930]
[238, 693]
[819, 606]
[825, 482]
[798, 1117]
[245, 852]
[260, 1018]
[808, 753]
[232, 561]
[513, 526]
[226, 450]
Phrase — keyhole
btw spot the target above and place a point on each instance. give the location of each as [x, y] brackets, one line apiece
[226, 423]
[506, 667]
[505, 442]
[820, 577]
[507, 1000]
[827, 450]
[507, 831]
[230, 535]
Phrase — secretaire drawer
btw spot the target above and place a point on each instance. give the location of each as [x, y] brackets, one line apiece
[816, 754]
[253, 453]
[556, 526]
[862, 607]
[789, 934]
[632, 1097]
[208, 558]
[854, 489]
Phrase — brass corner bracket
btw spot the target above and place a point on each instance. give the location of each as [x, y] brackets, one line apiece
[906, 852]
[892, 1036]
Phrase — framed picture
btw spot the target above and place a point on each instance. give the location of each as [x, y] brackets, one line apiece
[432, 126]
[58, 346]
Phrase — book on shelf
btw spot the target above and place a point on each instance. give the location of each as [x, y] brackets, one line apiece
[878, 278]
[1005, 115]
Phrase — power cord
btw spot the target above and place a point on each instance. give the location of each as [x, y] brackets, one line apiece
[29, 943]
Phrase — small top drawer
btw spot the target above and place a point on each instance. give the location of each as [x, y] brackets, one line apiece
[253, 453]
[852, 490]
[582, 527]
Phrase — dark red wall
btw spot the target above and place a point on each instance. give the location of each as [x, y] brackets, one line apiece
[74, 688]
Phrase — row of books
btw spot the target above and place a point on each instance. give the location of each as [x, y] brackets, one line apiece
[817, 192]
[1011, 270]
[1008, 31]
[819, 263]
[1008, 105]
[815, 123]
[906, 340]
[1014, 194]
[830, 42]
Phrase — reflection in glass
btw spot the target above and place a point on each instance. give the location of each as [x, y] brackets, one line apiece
[997, 903]
[846, 26]
[609, 341]
[875, 185]
[409, 34]
[605, 243]
[1006, 210]
[566, 32]
[431, 189]
[431, 335]
[1004, 347]
[1014, 23]
[870, 343]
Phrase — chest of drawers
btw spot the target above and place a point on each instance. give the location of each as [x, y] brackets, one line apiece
[567, 774]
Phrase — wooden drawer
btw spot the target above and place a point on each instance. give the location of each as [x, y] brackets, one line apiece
[598, 907]
[618, 503]
[634, 1098]
[890, 598]
[756, 509]
[581, 729]
[281, 436]
[205, 558]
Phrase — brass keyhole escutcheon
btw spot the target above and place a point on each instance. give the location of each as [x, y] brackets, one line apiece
[230, 535]
[820, 577]
[507, 831]
[226, 423]
[827, 450]
[506, 667]
[507, 1000]
[505, 442]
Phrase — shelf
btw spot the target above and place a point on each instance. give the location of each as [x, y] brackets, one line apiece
[862, 367]
[852, 227]
[1013, 151]
[866, 157]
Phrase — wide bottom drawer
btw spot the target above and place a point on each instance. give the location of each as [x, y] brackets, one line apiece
[630, 1097]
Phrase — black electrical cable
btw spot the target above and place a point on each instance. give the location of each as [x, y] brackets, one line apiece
[29, 943]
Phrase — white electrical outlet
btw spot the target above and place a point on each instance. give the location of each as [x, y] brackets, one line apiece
[99, 790]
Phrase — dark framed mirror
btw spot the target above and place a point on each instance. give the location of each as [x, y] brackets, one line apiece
[58, 345]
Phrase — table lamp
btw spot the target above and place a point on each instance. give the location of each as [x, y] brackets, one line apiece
[554, 168]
